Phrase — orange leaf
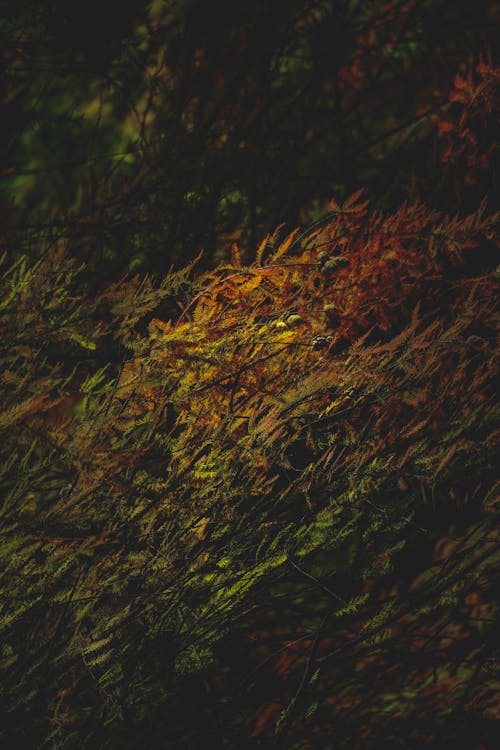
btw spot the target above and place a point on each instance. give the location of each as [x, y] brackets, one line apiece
[446, 459]
[260, 250]
[284, 245]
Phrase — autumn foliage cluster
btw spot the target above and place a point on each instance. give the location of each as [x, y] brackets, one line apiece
[256, 506]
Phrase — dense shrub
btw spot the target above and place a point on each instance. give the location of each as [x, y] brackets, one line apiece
[256, 506]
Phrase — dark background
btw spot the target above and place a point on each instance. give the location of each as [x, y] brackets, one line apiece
[140, 133]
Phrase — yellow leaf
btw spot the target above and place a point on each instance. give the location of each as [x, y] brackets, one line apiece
[284, 246]
[250, 284]
[260, 250]
[200, 527]
[205, 310]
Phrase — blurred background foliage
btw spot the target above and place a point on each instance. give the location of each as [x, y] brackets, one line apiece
[141, 133]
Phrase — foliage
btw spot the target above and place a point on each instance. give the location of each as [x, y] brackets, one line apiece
[265, 493]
